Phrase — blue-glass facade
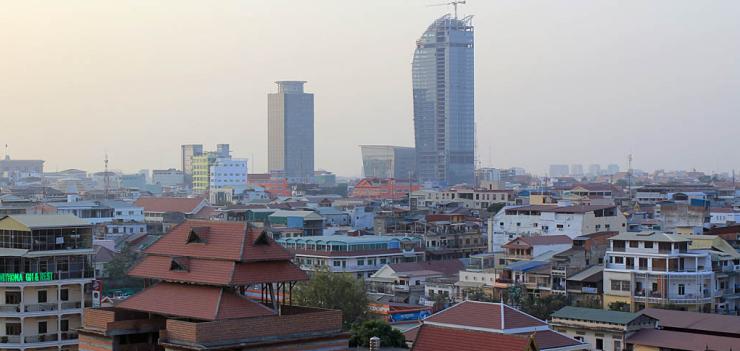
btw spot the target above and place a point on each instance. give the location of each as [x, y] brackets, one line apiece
[442, 73]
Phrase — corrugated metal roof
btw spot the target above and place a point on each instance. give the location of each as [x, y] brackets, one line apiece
[595, 314]
[49, 220]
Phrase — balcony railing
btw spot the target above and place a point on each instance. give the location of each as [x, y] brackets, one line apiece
[10, 339]
[69, 335]
[10, 308]
[41, 307]
[40, 338]
[71, 305]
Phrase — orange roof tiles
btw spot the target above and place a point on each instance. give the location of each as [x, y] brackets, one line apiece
[201, 271]
[226, 241]
[434, 338]
[262, 272]
[193, 301]
[484, 315]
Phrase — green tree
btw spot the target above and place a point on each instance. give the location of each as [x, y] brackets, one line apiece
[477, 294]
[335, 291]
[389, 337]
[118, 267]
[544, 306]
[619, 306]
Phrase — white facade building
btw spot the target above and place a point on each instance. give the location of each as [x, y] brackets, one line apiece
[573, 221]
[229, 173]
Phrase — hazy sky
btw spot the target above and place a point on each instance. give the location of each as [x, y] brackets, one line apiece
[556, 81]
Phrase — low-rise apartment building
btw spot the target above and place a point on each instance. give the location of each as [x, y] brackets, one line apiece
[360, 255]
[601, 329]
[570, 220]
[46, 270]
[472, 198]
[648, 268]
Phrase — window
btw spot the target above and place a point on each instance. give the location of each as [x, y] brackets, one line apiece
[681, 289]
[42, 327]
[337, 263]
[64, 325]
[618, 259]
[12, 297]
[360, 262]
[634, 243]
[648, 244]
[383, 261]
[599, 344]
[12, 329]
[42, 296]
[64, 294]
[617, 345]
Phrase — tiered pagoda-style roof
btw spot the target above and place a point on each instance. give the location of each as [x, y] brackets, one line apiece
[202, 273]
[203, 264]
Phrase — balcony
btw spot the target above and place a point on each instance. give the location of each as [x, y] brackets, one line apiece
[41, 307]
[71, 305]
[658, 298]
[10, 308]
[589, 290]
[10, 339]
[35, 339]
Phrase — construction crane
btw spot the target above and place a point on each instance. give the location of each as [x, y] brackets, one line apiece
[454, 4]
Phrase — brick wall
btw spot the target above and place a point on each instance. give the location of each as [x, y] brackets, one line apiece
[315, 321]
[94, 343]
[98, 318]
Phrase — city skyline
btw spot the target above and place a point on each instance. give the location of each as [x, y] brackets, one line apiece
[652, 82]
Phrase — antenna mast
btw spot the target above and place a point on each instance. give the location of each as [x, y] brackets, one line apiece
[454, 4]
[106, 177]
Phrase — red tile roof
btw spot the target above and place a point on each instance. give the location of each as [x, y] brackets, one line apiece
[484, 315]
[194, 301]
[200, 271]
[674, 340]
[169, 204]
[226, 241]
[261, 272]
[549, 339]
[696, 321]
[434, 338]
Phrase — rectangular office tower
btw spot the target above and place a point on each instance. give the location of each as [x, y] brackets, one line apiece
[290, 131]
[442, 73]
[188, 152]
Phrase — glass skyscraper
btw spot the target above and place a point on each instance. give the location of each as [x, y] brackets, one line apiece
[290, 131]
[442, 73]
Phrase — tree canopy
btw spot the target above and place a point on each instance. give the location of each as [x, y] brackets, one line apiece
[334, 291]
[389, 337]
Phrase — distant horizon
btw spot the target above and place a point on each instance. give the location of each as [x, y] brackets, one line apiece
[556, 82]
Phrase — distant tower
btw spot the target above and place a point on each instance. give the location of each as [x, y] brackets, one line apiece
[290, 131]
[106, 178]
[443, 88]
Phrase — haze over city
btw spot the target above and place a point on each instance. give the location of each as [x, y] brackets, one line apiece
[556, 81]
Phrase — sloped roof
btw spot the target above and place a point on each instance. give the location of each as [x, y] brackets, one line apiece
[169, 204]
[103, 254]
[595, 314]
[484, 315]
[675, 340]
[48, 220]
[434, 338]
[446, 267]
[548, 339]
[226, 240]
[194, 301]
[712, 242]
[695, 321]
[590, 274]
